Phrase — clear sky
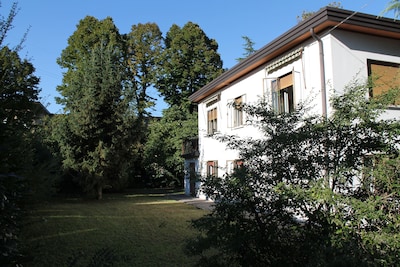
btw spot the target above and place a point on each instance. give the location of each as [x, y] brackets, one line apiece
[51, 23]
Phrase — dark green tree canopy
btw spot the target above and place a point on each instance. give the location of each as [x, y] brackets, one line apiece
[190, 61]
[95, 134]
[162, 151]
[90, 33]
[144, 49]
[18, 89]
[18, 96]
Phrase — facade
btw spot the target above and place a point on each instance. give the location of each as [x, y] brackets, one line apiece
[310, 62]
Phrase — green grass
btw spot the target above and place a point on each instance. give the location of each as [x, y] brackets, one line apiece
[133, 229]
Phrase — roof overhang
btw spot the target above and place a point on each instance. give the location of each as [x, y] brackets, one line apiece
[324, 19]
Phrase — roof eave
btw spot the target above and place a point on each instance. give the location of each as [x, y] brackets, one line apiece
[325, 18]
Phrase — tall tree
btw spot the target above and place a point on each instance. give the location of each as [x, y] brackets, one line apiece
[190, 61]
[144, 48]
[18, 96]
[94, 134]
[248, 48]
[89, 33]
[95, 137]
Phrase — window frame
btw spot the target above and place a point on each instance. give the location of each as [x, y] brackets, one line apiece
[370, 63]
[212, 120]
[212, 168]
[282, 90]
[238, 112]
[232, 165]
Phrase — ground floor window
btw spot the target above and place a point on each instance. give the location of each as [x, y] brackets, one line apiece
[212, 168]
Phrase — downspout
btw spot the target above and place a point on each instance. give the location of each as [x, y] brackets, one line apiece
[322, 72]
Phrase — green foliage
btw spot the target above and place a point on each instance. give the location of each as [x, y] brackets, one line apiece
[248, 48]
[95, 136]
[305, 196]
[190, 61]
[144, 49]
[18, 92]
[90, 33]
[12, 188]
[393, 5]
[162, 152]
[23, 175]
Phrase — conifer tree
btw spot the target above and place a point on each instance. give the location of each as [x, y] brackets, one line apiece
[95, 133]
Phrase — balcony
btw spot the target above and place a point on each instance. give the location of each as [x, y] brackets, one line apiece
[190, 148]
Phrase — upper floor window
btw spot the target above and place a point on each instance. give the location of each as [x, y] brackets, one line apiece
[238, 112]
[282, 93]
[212, 121]
[385, 76]
[236, 115]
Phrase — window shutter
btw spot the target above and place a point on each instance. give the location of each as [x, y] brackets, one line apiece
[286, 81]
[244, 113]
[274, 94]
[229, 113]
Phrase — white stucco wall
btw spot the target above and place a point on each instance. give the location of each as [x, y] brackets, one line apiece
[345, 57]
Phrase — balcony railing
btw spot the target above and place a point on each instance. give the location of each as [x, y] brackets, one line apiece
[190, 148]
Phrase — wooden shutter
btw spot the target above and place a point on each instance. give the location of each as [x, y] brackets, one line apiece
[212, 168]
[286, 81]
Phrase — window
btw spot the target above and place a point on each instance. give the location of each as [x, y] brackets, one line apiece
[212, 168]
[232, 165]
[238, 112]
[385, 76]
[282, 93]
[235, 113]
[212, 121]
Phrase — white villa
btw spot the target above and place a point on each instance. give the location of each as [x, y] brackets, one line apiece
[314, 59]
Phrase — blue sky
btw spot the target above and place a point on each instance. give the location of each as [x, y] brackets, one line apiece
[51, 23]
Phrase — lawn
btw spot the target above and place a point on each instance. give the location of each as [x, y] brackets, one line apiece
[132, 229]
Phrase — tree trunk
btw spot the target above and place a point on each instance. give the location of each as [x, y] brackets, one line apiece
[99, 192]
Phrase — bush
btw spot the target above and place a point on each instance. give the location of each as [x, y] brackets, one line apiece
[304, 196]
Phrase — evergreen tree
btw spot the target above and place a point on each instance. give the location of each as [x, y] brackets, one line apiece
[95, 135]
[18, 101]
[248, 48]
[90, 32]
[18, 96]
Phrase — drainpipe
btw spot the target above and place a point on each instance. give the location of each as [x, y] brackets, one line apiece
[322, 72]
